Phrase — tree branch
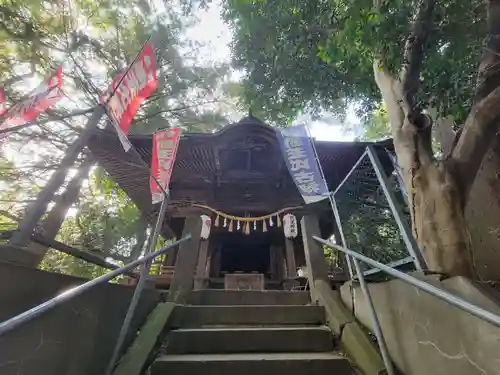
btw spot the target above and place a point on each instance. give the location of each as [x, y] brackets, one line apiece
[479, 130]
[14, 79]
[10, 216]
[50, 119]
[178, 109]
[489, 67]
[483, 122]
[414, 52]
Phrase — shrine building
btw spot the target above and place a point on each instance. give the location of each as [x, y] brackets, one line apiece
[238, 177]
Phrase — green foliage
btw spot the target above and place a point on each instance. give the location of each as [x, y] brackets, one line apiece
[376, 126]
[333, 257]
[58, 262]
[318, 55]
[109, 224]
[94, 40]
[278, 44]
[367, 221]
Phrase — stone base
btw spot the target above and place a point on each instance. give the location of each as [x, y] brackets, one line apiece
[244, 281]
[426, 335]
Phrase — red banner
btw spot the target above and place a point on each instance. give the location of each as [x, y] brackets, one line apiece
[45, 96]
[3, 102]
[138, 84]
[165, 144]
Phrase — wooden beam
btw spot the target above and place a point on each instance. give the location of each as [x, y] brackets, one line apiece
[182, 282]
[135, 358]
[199, 281]
[317, 269]
[291, 266]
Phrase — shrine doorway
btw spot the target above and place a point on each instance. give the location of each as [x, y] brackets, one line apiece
[258, 253]
[237, 256]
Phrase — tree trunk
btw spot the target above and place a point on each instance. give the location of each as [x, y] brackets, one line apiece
[438, 221]
[438, 190]
[55, 218]
[434, 195]
[37, 209]
[482, 214]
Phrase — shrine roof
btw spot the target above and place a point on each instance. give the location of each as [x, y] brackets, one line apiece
[237, 169]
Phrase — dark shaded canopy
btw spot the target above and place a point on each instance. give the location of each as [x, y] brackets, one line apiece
[238, 170]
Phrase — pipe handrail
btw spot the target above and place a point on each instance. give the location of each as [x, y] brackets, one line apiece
[426, 287]
[32, 313]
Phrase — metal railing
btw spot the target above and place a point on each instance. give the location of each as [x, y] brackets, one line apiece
[372, 161]
[422, 285]
[31, 314]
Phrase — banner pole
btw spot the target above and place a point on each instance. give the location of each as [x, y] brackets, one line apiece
[333, 204]
[126, 71]
[309, 136]
[144, 269]
[139, 287]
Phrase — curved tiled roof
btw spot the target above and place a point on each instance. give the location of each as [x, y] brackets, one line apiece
[236, 169]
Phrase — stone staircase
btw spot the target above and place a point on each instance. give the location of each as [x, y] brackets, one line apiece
[249, 332]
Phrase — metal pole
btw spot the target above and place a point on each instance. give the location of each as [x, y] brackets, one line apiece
[316, 155]
[376, 324]
[30, 314]
[350, 172]
[126, 71]
[341, 231]
[333, 204]
[36, 210]
[399, 176]
[50, 119]
[404, 228]
[426, 287]
[138, 289]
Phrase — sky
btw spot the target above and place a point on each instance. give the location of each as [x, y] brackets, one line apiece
[216, 36]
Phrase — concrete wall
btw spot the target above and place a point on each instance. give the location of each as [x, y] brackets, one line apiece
[76, 338]
[426, 335]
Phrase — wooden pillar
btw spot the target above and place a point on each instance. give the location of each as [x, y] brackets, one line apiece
[199, 278]
[208, 265]
[217, 254]
[182, 282]
[280, 270]
[317, 268]
[276, 256]
[291, 266]
[272, 263]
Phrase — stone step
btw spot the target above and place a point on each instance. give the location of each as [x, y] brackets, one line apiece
[199, 316]
[248, 297]
[251, 364]
[250, 340]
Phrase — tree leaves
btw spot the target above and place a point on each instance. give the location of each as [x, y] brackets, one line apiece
[303, 56]
[94, 41]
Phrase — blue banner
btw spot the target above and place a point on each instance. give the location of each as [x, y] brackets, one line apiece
[301, 161]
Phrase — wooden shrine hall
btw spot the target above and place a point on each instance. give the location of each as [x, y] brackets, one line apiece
[237, 176]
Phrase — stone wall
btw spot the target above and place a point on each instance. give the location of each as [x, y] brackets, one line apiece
[76, 338]
[426, 335]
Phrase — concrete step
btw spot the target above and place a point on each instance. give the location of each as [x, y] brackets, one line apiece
[248, 297]
[199, 316]
[250, 340]
[251, 364]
